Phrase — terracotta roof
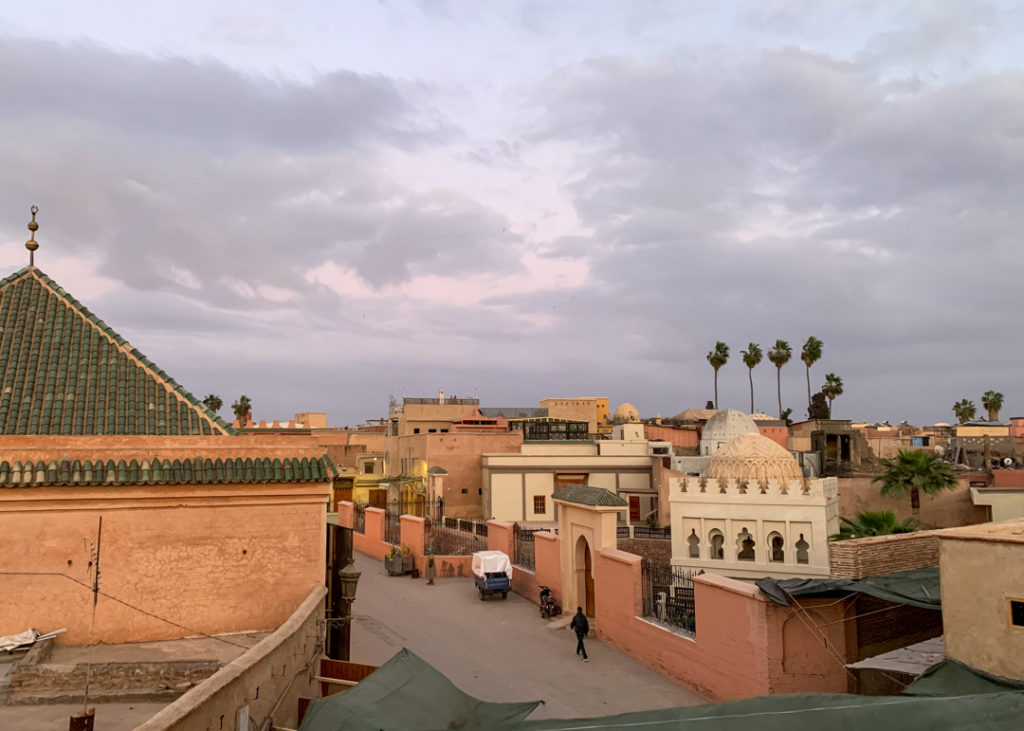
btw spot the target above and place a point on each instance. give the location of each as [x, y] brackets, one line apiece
[64, 371]
[586, 495]
[156, 471]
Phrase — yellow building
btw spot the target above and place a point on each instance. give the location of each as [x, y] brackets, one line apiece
[590, 409]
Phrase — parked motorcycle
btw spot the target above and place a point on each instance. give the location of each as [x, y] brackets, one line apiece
[548, 607]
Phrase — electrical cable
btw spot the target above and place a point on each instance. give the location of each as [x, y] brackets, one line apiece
[125, 603]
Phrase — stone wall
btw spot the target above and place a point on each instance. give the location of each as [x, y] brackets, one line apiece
[879, 555]
[263, 685]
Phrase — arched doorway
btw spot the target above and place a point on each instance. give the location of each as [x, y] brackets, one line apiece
[584, 576]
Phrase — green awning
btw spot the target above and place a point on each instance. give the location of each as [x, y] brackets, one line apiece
[918, 588]
[405, 694]
[814, 712]
[950, 677]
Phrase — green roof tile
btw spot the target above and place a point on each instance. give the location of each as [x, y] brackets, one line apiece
[65, 371]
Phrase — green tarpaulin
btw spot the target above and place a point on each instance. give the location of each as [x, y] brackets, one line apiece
[408, 694]
[950, 677]
[997, 712]
[918, 588]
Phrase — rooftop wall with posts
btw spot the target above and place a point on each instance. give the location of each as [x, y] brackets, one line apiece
[807, 490]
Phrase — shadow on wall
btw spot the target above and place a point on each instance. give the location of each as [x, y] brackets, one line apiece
[453, 570]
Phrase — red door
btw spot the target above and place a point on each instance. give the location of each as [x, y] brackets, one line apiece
[634, 508]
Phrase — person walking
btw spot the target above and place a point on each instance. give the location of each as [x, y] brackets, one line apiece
[430, 567]
[582, 627]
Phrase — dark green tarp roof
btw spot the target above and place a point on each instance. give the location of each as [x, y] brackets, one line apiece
[408, 694]
[918, 588]
[815, 712]
[950, 677]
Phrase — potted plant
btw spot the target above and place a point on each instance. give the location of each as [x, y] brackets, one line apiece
[393, 562]
[407, 561]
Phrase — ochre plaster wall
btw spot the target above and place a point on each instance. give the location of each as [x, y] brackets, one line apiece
[210, 558]
[978, 577]
[948, 509]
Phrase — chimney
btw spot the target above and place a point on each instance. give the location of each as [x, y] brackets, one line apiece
[440, 397]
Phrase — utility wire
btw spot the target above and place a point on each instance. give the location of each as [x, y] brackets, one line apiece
[123, 602]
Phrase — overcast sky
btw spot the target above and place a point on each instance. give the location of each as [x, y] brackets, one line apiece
[323, 204]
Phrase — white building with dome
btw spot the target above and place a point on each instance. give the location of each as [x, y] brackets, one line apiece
[723, 427]
[753, 513]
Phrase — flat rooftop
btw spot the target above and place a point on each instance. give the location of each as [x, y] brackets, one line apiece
[1007, 531]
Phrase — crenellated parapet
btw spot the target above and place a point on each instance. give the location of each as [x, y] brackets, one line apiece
[822, 489]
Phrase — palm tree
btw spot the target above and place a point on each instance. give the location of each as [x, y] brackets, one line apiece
[751, 357]
[718, 358]
[213, 402]
[964, 410]
[242, 408]
[832, 389]
[914, 472]
[992, 402]
[779, 354]
[875, 523]
[811, 354]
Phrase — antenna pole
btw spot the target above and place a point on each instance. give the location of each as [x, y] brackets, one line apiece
[84, 721]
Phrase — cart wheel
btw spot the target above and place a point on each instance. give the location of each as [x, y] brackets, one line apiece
[504, 595]
[481, 595]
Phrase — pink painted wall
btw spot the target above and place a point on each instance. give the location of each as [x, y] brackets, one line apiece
[778, 434]
[745, 646]
[682, 437]
[209, 559]
[547, 548]
[371, 542]
[1008, 478]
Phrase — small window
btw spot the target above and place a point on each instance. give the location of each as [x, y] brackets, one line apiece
[539, 504]
[802, 547]
[1017, 612]
[416, 430]
[745, 546]
[479, 491]
[432, 431]
[694, 540]
[717, 545]
[444, 431]
[465, 491]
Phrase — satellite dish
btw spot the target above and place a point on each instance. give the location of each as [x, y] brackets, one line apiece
[1007, 461]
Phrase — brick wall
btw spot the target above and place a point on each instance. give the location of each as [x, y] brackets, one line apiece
[880, 555]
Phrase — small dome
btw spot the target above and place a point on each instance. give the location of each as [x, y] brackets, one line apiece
[626, 413]
[722, 427]
[753, 457]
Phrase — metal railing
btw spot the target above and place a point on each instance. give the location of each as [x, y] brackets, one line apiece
[622, 531]
[668, 595]
[660, 534]
[523, 553]
[443, 541]
[359, 518]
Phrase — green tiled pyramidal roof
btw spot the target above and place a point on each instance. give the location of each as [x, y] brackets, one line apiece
[586, 495]
[64, 371]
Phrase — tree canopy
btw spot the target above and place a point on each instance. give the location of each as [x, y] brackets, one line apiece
[913, 472]
[992, 401]
[874, 523]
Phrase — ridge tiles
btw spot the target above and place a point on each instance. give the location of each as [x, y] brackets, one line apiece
[64, 371]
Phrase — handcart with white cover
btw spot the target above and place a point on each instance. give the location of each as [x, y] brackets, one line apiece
[492, 573]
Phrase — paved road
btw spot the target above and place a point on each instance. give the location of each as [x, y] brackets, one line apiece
[500, 650]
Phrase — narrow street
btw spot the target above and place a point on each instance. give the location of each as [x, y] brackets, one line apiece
[499, 650]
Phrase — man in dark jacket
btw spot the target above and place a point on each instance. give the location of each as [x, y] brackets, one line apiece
[582, 627]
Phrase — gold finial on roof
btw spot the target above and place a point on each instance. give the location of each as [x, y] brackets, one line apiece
[32, 244]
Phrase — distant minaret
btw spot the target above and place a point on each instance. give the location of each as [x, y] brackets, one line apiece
[32, 244]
